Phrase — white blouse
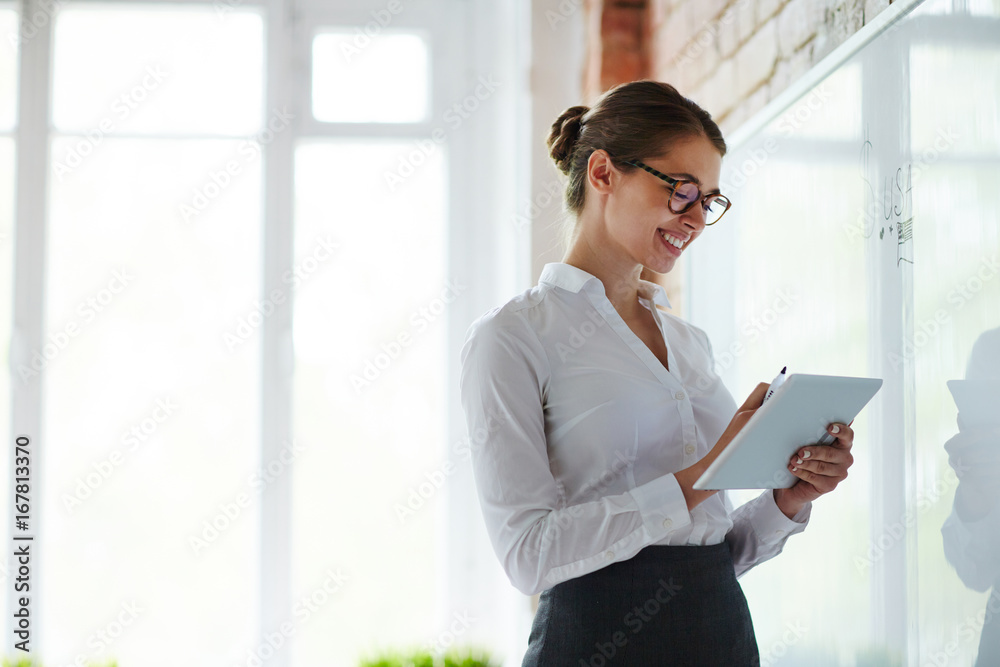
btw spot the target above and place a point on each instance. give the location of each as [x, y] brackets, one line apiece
[577, 428]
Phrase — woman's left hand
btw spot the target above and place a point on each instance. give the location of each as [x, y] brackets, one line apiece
[820, 468]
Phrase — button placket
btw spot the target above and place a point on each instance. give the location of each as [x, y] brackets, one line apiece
[641, 350]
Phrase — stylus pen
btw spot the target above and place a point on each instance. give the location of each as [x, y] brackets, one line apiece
[777, 382]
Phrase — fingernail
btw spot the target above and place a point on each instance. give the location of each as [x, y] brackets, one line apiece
[799, 461]
[806, 454]
[835, 429]
[794, 468]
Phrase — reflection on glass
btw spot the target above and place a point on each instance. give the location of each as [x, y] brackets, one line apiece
[972, 531]
[941, 124]
[955, 347]
[369, 396]
[984, 7]
[344, 65]
[829, 111]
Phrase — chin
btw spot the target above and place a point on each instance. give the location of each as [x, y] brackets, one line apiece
[661, 267]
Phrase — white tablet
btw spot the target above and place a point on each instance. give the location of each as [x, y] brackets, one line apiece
[976, 401]
[796, 415]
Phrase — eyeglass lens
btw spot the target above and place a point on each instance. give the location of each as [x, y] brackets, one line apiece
[687, 194]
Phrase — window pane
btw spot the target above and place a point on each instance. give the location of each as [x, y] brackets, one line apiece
[380, 79]
[150, 413]
[164, 69]
[8, 68]
[370, 396]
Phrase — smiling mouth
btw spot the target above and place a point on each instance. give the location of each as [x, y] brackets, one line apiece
[671, 239]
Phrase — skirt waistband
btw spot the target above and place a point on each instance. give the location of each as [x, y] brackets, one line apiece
[681, 552]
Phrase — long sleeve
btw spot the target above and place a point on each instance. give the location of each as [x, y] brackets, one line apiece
[760, 530]
[973, 548]
[971, 533]
[538, 538]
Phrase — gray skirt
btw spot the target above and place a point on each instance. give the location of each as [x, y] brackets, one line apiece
[668, 605]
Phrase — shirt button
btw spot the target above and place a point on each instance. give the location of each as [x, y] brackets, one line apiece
[610, 555]
[679, 396]
[667, 523]
[689, 449]
[779, 533]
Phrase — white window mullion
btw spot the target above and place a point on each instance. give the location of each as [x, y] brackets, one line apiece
[277, 356]
[32, 152]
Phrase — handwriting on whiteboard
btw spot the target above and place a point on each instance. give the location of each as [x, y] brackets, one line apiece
[887, 203]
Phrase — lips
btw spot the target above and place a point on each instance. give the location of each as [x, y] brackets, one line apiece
[673, 242]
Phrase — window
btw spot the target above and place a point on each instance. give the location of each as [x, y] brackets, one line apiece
[248, 313]
[153, 260]
[345, 66]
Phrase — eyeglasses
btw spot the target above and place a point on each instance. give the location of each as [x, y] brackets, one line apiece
[685, 194]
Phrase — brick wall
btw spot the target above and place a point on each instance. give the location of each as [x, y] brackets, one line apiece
[733, 56]
[730, 56]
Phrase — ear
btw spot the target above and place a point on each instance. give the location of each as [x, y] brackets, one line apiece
[602, 174]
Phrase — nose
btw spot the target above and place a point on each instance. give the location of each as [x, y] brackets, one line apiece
[694, 218]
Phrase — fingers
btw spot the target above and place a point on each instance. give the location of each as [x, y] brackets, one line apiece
[823, 466]
[844, 435]
[755, 398]
[822, 483]
[822, 460]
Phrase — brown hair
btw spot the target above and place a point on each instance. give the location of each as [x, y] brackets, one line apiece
[631, 121]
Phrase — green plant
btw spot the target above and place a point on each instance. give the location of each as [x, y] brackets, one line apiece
[421, 658]
[34, 662]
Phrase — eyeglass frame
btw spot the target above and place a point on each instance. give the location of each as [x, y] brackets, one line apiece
[674, 182]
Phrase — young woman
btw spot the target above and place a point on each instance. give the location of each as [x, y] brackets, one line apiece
[592, 412]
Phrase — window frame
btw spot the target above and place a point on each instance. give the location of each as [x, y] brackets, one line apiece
[490, 256]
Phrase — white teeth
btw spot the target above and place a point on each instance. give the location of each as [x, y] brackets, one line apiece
[676, 242]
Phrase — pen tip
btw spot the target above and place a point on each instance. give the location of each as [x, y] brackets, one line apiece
[784, 369]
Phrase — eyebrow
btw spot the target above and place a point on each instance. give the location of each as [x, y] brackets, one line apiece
[690, 177]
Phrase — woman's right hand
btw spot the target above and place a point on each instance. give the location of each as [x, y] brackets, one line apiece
[687, 477]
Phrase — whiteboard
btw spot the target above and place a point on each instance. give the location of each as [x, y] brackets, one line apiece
[863, 241]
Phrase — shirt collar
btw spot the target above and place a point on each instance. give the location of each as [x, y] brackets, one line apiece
[574, 279]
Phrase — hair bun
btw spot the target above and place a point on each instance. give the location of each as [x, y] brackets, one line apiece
[563, 135]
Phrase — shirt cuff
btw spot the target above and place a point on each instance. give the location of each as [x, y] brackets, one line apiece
[770, 522]
[662, 506]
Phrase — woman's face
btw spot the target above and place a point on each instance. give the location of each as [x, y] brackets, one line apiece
[637, 216]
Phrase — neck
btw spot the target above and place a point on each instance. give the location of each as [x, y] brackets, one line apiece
[619, 276]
